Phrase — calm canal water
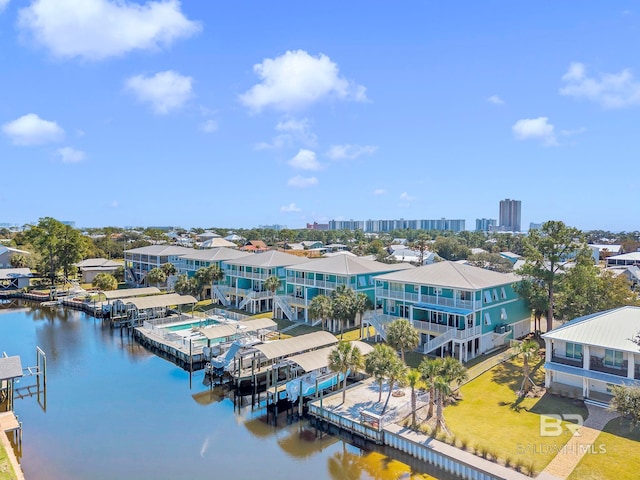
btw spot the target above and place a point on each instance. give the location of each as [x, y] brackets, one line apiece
[116, 411]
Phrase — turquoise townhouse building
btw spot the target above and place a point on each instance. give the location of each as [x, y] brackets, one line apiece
[305, 281]
[458, 309]
[244, 279]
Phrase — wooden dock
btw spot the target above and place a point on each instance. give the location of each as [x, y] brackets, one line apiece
[9, 425]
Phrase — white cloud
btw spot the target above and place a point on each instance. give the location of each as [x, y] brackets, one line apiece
[379, 191]
[3, 4]
[209, 126]
[295, 80]
[292, 207]
[535, 129]
[114, 204]
[575, 131]
[97, 29]
[305, 160]
[71, 155]
[611, 90]
[30, 129]
[495, 99]
[165, 91]
[293, 130]
[302, 182]
[404, 196]
[350, 152]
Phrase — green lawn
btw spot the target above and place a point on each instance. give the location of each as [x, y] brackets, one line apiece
[490, 417]
[6, 470]
[614, 454]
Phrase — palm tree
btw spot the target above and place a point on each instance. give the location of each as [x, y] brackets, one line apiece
[169, 269]
[451, 371]
[413, 377]
[320, 308]
[402, 336]
[215, 274]
[361, 304]
[273, 284]
[344, 305]
[528, 350]
[396, 374]
[429, 369]
[156, 276]
[343, 359]
[377, 364]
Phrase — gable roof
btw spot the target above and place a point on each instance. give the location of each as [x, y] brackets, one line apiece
[161, 250]
[215, 254]
[270, 258]
[634, 256]
[257, 244]
[4, 249]
[97, 263]
[452, 275]
[217, 242]
[348, 265]
[10, 273]
[609, 329]
[302, 343]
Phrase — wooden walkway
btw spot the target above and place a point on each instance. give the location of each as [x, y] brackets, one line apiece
[9, 423]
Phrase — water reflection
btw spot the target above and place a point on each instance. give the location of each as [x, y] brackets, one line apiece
[115, 410]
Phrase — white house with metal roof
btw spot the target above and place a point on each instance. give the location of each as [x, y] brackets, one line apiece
[588, 355]
[322, 276]
[7, 252]
[140, 261]
[14, 278]
[457, 309]
[625, 259]
[91, 267]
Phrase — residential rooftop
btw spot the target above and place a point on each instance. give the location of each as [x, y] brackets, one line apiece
[348, 265]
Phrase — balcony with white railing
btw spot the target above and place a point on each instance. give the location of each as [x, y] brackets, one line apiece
[312, 282]
[248, 275]
[297, 301]
[415, 297]
[396, 295]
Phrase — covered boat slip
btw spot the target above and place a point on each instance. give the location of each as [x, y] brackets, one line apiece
[138, 309]
[131, 292]
[272, 356]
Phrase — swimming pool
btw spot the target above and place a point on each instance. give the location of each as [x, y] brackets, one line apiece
[206, 322]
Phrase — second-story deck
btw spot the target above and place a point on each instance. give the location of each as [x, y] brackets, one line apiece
[419, 298]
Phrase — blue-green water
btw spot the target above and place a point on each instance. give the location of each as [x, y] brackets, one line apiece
[116, 411]
[185, 326]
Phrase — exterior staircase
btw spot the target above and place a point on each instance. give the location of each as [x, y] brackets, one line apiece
[245, 301]
[377, 322]
[438, 341]
[219, 294]
[283, 304]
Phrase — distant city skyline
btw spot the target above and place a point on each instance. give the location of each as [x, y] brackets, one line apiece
[203, 114]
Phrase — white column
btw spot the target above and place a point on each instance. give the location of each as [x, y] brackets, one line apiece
[548, 350]
[586, 359]
[630, 365]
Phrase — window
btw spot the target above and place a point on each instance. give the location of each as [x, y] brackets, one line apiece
[487, 318]
[437, 290]
[574, 350]
[495, 294]
[362, 281]
[503, 293]
[613, 358]
[487, 296]
[465, 295]
[503, 314]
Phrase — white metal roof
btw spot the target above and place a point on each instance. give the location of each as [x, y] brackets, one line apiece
[243, 326]
[97, 263]
[215, 254]
[217, 243]
[156, 301]
[11, 273]
[348, 265]
[316, 359]
[161, 250]
[271, 258]
[451, 275]
[634, 256]
[609, 329]
[10, 367]
[131, 292]
[283, 348]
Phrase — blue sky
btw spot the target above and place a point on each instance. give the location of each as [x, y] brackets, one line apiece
[237, 114]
